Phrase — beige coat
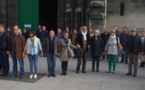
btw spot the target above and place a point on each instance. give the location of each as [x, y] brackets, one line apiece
[63, 50]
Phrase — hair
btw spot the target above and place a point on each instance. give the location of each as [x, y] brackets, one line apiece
[142, 31]
[125, 27]
[65, 33]
[33, 32]
[1, 25]
[51, 31]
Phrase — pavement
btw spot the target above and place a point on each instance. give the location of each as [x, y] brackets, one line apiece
[73, 81]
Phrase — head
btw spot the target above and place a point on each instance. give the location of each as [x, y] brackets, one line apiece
[90, 30]
[67, 29]
[2, 28]
[43, 28]
[24, 30]
[58, 30]
[106, 30]
[39, 27]
[32, 34]
[143, 33]
[97, 33]
[84, 29]
[112, 32]
[115, 28]
[124, 29]
[65, 35]
[81, 28]
[75, 31]
[51, 33]
[133, 32]
[16, 30]
[8, 29]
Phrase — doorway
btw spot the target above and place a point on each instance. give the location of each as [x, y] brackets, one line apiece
[48, 14]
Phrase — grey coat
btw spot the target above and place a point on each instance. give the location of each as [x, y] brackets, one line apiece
[63, 50]
[111, 46]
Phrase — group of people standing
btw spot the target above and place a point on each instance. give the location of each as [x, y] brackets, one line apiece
[66, 45]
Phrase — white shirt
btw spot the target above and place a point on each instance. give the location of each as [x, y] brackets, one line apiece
[84, 35]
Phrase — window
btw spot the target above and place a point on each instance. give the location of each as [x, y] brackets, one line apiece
[122, 9]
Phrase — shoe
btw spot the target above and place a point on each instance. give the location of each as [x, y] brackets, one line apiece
[97, 70]
[35, 76]
[128, 74]
[84, 72]
[134, 75]
[93, 70]
[77, 72]
[53, 75]
[49, 75]
[31, 76]
[121, 62]
[21, 77]
[62, 73]
[65, 73]
[108, 72]
[113, 72]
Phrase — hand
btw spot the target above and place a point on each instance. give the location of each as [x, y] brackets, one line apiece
[88, 46]
[8, 52]
[41, 54]
[123, 52]
[78, 46]
[23, 55]
[141, 53]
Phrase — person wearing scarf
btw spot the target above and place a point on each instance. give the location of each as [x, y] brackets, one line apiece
[123, 40]
[112, 51]
[32, 48]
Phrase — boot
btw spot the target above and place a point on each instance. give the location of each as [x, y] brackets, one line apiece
[142, 64]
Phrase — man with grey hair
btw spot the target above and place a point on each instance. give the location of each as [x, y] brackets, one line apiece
[4, 51]
[134, 44]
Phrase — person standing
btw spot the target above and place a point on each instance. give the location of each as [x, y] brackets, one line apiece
[112, 50]
[97, 48]
[17, 48]
[105, 37]
[123, 40]
[38, 33]
[43, 34]
[50, 48]
[59, 33]
[32, 48]
[65, 45]
[142, 54]
[25, 33]
[134, 44]
[83, 39]
[4, 51]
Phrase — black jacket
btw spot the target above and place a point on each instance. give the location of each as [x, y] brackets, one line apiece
[98, 47]
[137, 46]
[5, 42]
[105, 37]
[79, 39]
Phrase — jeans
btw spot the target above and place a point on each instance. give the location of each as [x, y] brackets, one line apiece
[125, 57]
[95, 59]
[51, 62]
[64, 65]
[21, 63]
[4, 62]
[33, 59]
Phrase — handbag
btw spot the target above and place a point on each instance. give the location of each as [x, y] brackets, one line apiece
[70, 53]
[79, 53]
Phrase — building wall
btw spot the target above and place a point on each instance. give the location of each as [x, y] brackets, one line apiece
[134, 15]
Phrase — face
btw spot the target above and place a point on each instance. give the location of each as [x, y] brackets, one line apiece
[67, 29]
[84, 28]
[31, 35]
[39, 26]
[143, 34]
[90, 30]
[112, 33]
[25, 30]
[44, 28]
[51, 34]
[1, 29]
[106, 29]
[96, 34]
[16, 30]
[115, 28]
[8, 29]
[75, 31]
[65, 36]
[124, 29]
[59, 30]
[133, 33]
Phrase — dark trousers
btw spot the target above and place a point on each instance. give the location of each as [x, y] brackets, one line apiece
[124, 57]
[64, 65]
[133, 59]
[4, 62]
[95, 59]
